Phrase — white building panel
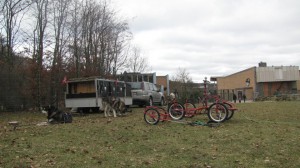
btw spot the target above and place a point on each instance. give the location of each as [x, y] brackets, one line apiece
[277, 73]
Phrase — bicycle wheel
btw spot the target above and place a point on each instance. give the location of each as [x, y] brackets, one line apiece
[163, 114]
[176, 111]
[151, 116]
[189, 110]
[230, 112]
[217, 112]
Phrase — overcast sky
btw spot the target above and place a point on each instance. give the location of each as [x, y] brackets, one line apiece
[213, 37]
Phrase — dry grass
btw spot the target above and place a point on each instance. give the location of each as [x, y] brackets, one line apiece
[263, 134]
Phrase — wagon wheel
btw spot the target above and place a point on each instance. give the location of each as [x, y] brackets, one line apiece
[151, 116]
[217, 112]
[189, 113]
[176, 111]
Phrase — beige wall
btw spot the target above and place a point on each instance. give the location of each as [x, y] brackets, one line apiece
[161, 80]
[237, 82]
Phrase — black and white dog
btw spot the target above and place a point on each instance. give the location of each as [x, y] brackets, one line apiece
[56, 116]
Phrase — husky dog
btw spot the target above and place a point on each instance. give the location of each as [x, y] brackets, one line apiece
[56, 116]
[114, 105]
[120, 106]
[107, 105]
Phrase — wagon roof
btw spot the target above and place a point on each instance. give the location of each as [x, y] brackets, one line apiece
[92, 78]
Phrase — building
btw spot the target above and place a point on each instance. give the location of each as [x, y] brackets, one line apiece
[137, 77]
[160, 81]
[261, 81]
[164, 82]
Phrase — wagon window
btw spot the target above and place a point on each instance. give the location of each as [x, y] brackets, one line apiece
[104, 88]
[121, 89]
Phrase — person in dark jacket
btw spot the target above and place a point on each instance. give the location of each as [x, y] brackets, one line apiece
[234, 98]
[244, 98]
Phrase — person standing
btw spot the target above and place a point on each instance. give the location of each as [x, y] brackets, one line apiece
[234, 98]
[244, 98]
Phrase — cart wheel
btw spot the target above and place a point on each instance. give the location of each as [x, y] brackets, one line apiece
[151, 116]
[189, 113]
[230, 112]
[162, 113]
[176, 111]
[217, 112]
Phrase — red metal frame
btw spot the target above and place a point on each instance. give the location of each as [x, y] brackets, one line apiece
[204, 102]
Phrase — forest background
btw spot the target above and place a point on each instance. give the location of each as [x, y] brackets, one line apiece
[43, 42]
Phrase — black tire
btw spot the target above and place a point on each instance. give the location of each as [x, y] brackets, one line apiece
[189, 113]
[176, 111]
[151, 116]
[217, 112]
[230, 112]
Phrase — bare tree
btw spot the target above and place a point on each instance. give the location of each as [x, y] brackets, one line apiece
[11, 17]
[119, 38]
[101, 43]
[93, 36]
[12, 13]
[90, 41]
[59, 22]
[182, 83]
[75, 34]
[39, 36]
[136, 62]
[182, 76]
[85, 40]
[102, 39]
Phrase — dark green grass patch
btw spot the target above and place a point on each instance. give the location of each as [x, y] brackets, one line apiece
[263, 134]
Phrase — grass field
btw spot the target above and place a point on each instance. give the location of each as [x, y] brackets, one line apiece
[260, 134]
